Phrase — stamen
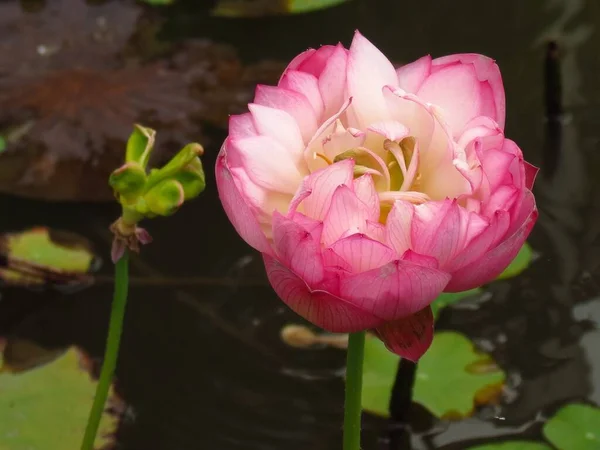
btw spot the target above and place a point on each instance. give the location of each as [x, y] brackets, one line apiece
[416, 198]
[323, 157]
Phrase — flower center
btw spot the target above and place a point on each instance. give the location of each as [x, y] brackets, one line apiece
[394, 167]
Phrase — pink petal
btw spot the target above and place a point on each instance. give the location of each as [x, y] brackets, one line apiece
[298, 249]
[295, 104]
[267, 163]
[362, 253]
[399, 226]
[143, 236]
[495, 164]
[342, 139]
[487, 72]
[393, 291]
[318, 188]
[368, 71]
[321, 308]
[411, 76]
[306, 84]
[481, 243]
[279, 125]
[493, 262]
[530, 174]
[375, 231]
[502, 199]
[457, 91]
[332, 81]
[316, 143]
[364, 188]
[332, 260]
[420, 260]
[390, 129]
[236, 207]
[346, 215]
[299, 60]
[409, 337]
[263, 201]
[242, 126]
[439, 230]
[315, 63]
[408, 110]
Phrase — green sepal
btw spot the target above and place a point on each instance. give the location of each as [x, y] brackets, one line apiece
[139, 145]
[176, 164]
[192, 179]
[128, 181]
[165, 197]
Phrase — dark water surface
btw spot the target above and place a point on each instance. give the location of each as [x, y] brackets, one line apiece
[202, 365]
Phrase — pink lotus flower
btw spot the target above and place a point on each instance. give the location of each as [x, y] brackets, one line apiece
[371, 190]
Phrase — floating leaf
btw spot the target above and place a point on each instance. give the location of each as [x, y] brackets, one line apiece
[513, 445]
[39, 254]
[519, 264]
[260, 8]
[574, 427]
[3, 144]
[452, 377]
[21, 355]
[47, 408]
[449, 298]
[158, 2]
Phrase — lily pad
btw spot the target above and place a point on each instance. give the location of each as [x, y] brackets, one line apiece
[41, 252]
[41, 247]
[260, 8]
[452, 377]
[519, 264]
[513, 445]
[574, 427]
[47, 408]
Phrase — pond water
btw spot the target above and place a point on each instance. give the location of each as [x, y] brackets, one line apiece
[202, 364]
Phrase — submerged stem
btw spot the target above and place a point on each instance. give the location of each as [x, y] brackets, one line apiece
[112, 350]
[354, 376]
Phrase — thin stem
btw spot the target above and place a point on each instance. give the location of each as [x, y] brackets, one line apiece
[354, 376]
[112, 350]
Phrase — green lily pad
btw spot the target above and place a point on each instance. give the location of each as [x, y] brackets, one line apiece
[574, 427]
[452, 377]
[3, 144]
[47, 408]
[260, 8]
[54, 251]
[513, 445]
[449, 298]
[519, 264]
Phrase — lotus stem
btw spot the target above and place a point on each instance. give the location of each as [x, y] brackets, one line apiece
[354, 376]
[112, 350]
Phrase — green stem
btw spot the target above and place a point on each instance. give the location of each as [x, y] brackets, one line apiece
[112, 350]
[354, 376]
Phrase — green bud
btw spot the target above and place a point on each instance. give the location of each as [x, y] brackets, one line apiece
[176, 164]
[128, 181]
[192, 179]
[165, 197]
[139, 145]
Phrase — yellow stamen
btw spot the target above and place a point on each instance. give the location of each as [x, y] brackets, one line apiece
[323, 157]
